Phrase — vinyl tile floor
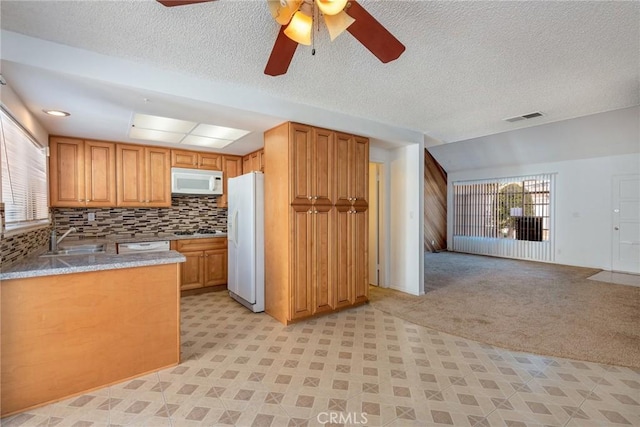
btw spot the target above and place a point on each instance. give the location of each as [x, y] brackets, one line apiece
[356, 367]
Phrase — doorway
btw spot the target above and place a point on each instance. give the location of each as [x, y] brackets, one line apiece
[626, 224]
[376, 221]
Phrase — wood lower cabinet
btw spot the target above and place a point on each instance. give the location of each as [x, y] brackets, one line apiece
[315, 245]
[206, 263]
[143, 176]
[81, 173]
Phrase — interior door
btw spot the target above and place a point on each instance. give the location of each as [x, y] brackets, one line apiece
[626, 223]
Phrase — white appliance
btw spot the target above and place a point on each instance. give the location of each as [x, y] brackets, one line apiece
[139, 247]
[245, 240]
[195, 181]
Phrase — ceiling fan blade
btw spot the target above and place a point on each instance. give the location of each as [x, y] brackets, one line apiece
[372, 34]
[171, 3]
[281, 55]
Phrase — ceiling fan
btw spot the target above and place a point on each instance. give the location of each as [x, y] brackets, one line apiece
[296, 20]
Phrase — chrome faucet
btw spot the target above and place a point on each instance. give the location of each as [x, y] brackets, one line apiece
[53, 243]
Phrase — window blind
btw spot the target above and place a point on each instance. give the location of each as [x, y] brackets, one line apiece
[24, 175]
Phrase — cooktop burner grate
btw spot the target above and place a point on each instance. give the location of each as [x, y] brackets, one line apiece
[183, 233]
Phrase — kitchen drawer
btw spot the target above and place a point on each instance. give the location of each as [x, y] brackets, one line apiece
[201, 244]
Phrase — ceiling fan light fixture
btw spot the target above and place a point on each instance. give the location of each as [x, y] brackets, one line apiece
[337, 24]
[299, 29]
[282, 11]
[331, 7]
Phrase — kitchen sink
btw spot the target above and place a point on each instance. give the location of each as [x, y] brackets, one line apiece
[84, 249]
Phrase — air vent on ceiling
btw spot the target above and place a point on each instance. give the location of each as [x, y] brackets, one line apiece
[524, 117]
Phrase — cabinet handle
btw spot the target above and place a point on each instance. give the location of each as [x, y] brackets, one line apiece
[81, 200]
[315, 212]
[315, 197]
[310, 197]
[309, 211]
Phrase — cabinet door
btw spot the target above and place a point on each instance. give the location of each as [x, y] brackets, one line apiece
[360, 171]
[343, 168]
[360, 255]
[130, 175]
[301, 264]
[322, 256]
[100, 173]
[343, 289]
[158, 177]
[215, 267]
[66, 172]
[231, 167]
[210, 161]
[261, 160]
[352, 274]
[246, 164]
[255, 162]
[192, 271]
[184, 159]
[301, 152]
[322, 179]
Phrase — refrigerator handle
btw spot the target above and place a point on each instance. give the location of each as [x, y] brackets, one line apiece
[233, 229]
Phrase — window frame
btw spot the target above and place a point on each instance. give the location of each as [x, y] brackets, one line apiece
[10, 229]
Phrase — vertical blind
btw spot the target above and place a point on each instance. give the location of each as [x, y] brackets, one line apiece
[24, 175]
[509, 217]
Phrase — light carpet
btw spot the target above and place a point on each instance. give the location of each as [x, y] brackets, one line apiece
[526, 306]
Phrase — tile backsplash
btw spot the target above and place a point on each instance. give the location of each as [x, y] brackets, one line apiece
[185, 213]
[20, 246]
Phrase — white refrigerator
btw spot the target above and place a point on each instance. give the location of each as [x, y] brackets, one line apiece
[245, 235]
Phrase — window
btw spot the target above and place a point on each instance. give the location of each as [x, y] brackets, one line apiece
[505, 208]
[24, 176]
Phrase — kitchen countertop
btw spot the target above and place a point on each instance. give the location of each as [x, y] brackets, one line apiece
[36, 265]
[153, 237]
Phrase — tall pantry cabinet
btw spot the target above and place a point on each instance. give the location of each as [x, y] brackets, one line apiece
[315, 221]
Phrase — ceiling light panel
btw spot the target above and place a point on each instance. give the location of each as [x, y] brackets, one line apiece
[166, 124]
[155, 135]
[203, 141]
[219, 132]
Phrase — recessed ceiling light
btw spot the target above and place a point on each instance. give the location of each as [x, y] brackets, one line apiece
[204, 141]
[145, 121]
[155, 135]
[165, 129]
[56, 113]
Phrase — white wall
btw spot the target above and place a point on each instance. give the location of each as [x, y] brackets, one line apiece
[585, 153]
[406, 262]
[18, 110]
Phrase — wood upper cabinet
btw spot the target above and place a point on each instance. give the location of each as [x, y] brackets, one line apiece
[312, 152]
[352, 170]
[206, 263]
[253, 162]
[158, 177]
[82, 173]
[231, 167]
[143, 176]
[196, 160]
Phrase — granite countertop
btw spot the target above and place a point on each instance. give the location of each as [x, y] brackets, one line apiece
[153, 237]
[37, 265]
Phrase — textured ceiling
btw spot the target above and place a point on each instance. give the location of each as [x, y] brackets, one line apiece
[467, 66]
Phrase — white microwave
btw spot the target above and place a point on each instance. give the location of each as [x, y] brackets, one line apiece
[196, 181]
